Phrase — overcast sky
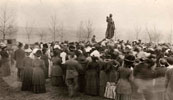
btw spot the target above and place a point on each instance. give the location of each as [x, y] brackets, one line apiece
[126, 13]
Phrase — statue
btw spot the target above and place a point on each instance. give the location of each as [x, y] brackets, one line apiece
[110, 27]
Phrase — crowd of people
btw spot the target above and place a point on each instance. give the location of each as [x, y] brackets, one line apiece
[113, 69]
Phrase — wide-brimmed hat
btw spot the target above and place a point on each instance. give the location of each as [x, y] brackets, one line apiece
[57, 47]
[72, 48]
[28, 50]
[3, 45]
[163, 61]
[170, 60]
[38, 53]
[129, 58]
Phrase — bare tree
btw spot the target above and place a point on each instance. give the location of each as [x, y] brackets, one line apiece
[80, 32]
[137, 32]
[53, 27]
[28, 30]
[42, 35]
[7, 18]
[149, 34]
[89, 30]
[156, 35]
[153, 34]
[61, 32]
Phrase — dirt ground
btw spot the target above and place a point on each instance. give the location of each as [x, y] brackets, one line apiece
[8, 91]
[53, 93]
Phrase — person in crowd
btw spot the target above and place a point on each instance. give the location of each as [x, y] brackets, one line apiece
[57, 72]
[38, 77]
[92, 77]
[27, 71]
[169, 79]
[4, 62]
[72, 71]
[19, 55]
[103, 80]
[144, 75]
[160, 80]
[93, 40]
[34, 49]
[82, 60]
[45, 58]
[124, 88]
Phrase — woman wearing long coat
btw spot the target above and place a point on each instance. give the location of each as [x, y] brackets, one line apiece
[124, 88]
[5, 63]
[45, 58]
[38, 77]
[56, 72]
[27, 72]
[103, 79]
[92, 77]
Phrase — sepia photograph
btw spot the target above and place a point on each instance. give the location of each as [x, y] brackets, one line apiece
[86, 50]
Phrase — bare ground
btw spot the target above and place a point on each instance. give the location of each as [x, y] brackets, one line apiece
[53, 93]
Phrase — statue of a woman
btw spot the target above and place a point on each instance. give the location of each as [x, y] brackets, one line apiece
[110, 27]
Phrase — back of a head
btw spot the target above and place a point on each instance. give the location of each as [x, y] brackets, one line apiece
[149, 62]
[20, 45]
[71, 54]
[129, 60]
[110, 15]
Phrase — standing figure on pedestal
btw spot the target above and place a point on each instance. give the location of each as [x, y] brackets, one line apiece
[110, 27]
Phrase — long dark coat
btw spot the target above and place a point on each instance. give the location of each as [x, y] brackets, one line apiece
[19, 55]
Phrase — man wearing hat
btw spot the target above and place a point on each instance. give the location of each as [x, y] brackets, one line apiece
[72, 68]
[19, 55]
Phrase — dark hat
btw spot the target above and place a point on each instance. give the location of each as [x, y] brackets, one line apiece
[152, 56]
[20, 44]
[38, 53]
[72, 48]
[45, 45]
[129, 58]
[170, 60]
[26, 46]
[163, 61]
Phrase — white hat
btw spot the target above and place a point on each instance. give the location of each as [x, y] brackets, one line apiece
[3, 45]
[34, 50]
[95, 53]
[57, 47]
[88, 49]
[129, 47]
[28, 50]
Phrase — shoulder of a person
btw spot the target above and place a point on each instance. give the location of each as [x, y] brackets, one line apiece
[16, 50]
[67, 62]
[120, 68]
[41, 60]
[169, 70]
